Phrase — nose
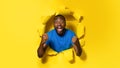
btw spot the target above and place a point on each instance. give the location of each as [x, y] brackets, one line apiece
[59, 24]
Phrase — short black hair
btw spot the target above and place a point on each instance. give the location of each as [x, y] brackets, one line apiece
[61, 17]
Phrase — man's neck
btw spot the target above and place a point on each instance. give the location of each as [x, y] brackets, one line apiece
[64, 30]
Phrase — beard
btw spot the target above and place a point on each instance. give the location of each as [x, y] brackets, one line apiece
[60, 31]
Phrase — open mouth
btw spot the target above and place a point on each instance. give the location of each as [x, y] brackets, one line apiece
[59, 29]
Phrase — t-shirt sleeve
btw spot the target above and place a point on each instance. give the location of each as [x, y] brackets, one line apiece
[48, 41]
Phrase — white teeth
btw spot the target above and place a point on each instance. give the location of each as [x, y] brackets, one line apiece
[59, 29]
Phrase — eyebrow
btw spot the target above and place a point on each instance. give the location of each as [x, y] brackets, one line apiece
[61, 20]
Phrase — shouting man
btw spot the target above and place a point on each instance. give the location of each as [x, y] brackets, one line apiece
[59, 39]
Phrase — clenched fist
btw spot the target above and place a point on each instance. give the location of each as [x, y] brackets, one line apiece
[74, 39]
[44, 38]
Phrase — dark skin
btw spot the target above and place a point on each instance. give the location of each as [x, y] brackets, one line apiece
[59, 26]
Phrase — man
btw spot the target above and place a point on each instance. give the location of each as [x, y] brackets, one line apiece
[59, 39]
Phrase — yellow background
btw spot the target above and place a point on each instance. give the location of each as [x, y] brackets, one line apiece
[19, 40]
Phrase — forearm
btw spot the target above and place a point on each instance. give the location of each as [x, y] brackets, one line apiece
[77, 48]
[41, 49]
[79, 51]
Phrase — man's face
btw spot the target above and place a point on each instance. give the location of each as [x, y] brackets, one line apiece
[59, 25]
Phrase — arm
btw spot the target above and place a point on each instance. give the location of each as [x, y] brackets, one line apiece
[76, 46]
[42, 48]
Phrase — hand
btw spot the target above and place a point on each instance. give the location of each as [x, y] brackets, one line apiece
[44, 38]
[76, 46]
[74, 39]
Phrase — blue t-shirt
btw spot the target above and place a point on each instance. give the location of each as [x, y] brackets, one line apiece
[60, 43]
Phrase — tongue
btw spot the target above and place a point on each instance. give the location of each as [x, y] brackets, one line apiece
[59, 30]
